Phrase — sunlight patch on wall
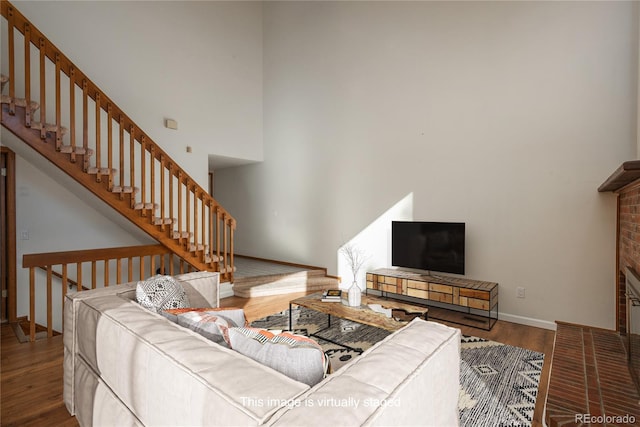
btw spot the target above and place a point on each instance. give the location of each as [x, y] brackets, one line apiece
[375, 242]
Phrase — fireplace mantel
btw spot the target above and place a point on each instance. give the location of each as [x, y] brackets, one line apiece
[625, 174]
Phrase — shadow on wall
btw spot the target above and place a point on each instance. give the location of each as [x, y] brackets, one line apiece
[374, 241]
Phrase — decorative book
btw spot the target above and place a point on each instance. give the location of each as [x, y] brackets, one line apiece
[331, 295]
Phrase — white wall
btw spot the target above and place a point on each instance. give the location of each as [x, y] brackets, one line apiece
[199, 63]
[504, 115]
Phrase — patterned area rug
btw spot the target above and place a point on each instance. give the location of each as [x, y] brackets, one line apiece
[498, 382]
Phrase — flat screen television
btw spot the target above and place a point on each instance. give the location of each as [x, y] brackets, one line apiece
[433, 246]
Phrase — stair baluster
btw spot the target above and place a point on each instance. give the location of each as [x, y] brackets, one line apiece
[188, 214]
[132, 156]
[143, 175]
[171, 197]
[98, 156]
[43, 91]
[58, 105]
[12, 63]
[27, 73]
[106, 273]
[32, 303]
[85, 123]
[110, 146]
[152, 162]
[162, 189]
[72, 114]
[121, 155]
[179, 207]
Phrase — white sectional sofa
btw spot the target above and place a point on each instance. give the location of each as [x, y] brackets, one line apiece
[125, 366]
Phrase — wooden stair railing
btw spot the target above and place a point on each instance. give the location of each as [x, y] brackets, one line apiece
[91, 269]
[129, 172]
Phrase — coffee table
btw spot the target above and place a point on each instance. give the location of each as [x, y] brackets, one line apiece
[402, 313]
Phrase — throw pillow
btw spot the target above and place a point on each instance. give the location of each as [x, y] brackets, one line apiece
[211, 323]
[296, 356]
[160, 293]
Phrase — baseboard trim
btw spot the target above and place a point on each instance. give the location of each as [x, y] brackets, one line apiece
[226, 290]
[529, 321]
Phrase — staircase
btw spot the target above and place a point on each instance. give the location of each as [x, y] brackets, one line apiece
[58, 111]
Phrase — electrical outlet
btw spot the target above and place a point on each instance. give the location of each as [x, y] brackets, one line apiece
[520, 292]
[24, 235]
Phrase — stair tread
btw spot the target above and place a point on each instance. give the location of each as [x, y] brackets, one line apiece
[199, 247]
[119, 189]
[102, 171]
[140, 206]
[209, 260]
[68, 149]
[49, 127]
[185, 234]
[163, 221]
[227, 270]
[20, 102]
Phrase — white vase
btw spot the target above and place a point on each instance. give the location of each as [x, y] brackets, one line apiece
[355, 295]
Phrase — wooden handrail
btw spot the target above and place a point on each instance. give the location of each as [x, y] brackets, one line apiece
[72, 257]
[210, 249]
[145, 255]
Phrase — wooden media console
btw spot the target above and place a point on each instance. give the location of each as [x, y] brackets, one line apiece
[474, 301]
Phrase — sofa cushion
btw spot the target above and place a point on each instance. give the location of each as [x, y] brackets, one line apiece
[206, 284]
[160, 293]
[211, 323]
[296, 356]
[169, 375]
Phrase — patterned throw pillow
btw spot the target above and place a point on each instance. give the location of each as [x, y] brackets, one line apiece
[160, 293]
[296, 356]
[211, 323]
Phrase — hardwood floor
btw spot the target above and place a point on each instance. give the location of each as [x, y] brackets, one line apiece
[31, 373]
[31, 382]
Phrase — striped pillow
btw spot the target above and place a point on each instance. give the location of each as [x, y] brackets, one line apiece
[234, 314]
[296, 356]
[211, 323]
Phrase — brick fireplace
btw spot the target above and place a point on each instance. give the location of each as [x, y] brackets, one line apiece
[625, 182]
[628, 243]
[590, 370]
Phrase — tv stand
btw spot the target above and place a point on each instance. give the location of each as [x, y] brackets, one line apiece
[474, 301]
